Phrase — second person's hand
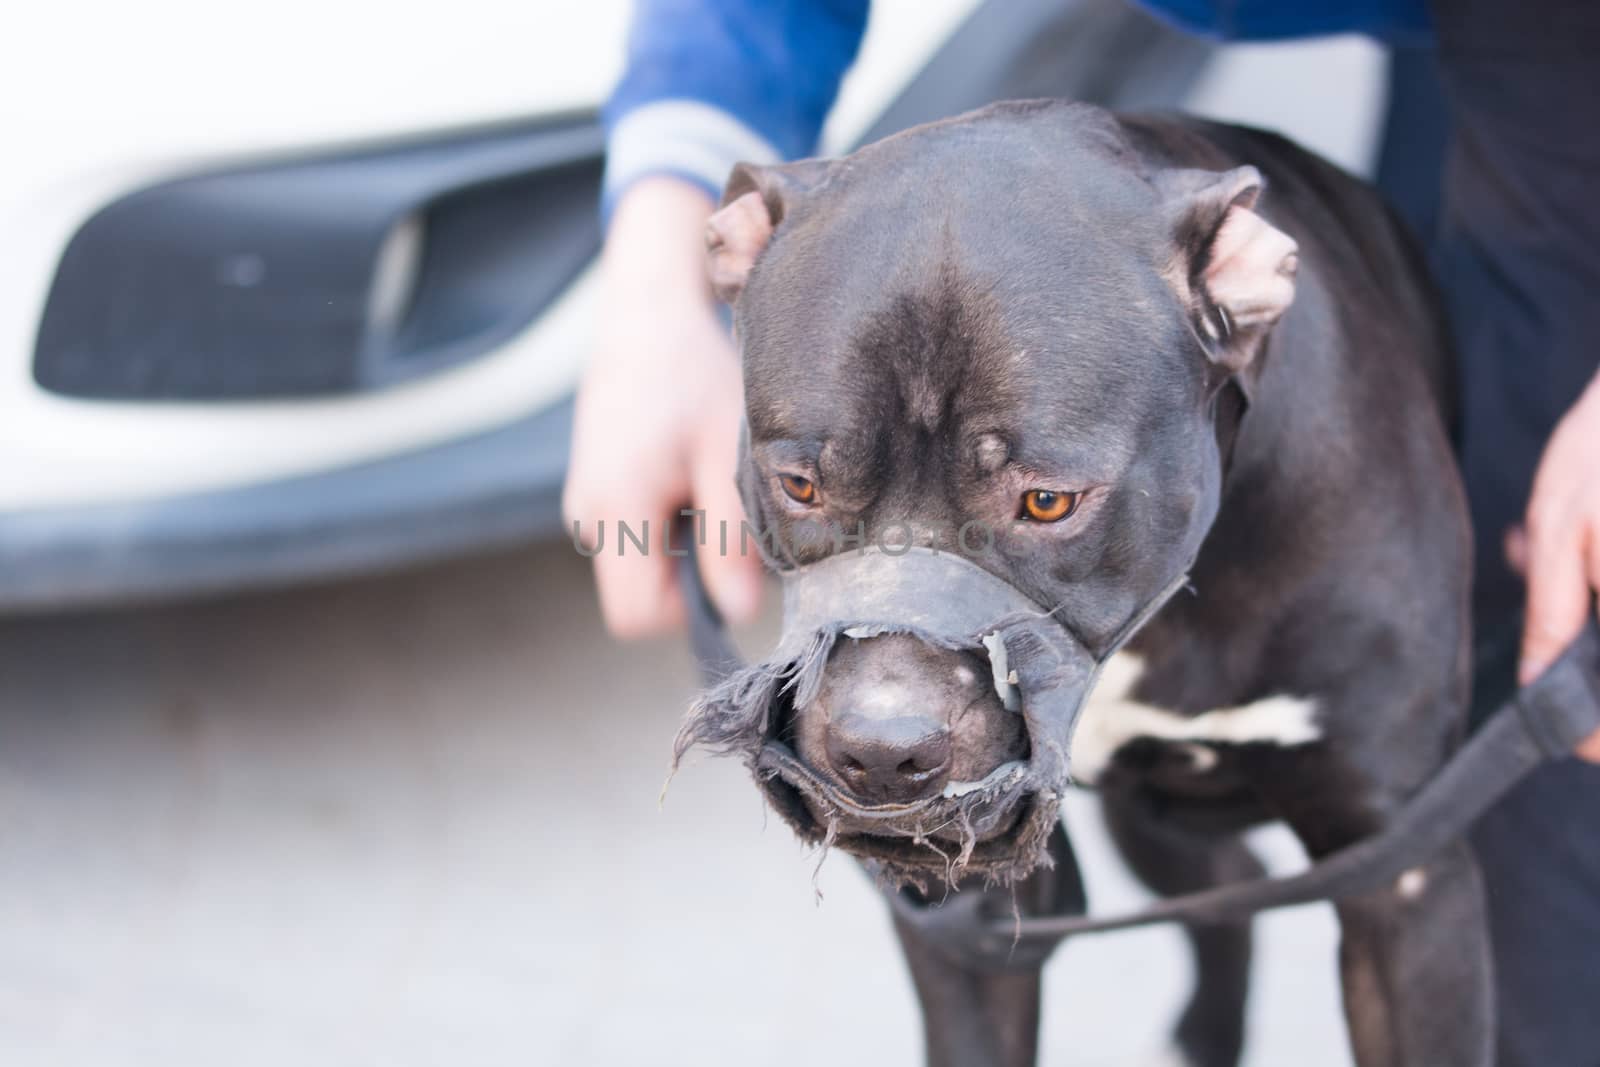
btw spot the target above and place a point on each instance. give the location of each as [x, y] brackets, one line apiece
[657, 419]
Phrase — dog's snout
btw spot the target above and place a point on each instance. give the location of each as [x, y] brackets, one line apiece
[896, 720]
[897, 759]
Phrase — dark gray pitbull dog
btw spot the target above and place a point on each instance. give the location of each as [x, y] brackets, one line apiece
[1107, 337]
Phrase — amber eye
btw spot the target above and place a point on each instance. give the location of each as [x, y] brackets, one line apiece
[1048, 505]
[800, 490]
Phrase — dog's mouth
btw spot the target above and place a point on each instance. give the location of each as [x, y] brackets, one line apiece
[984, 827]
[996, 819]
[998, 825]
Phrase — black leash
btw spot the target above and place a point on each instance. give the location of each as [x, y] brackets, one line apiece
[1544, 721]
[708, 637]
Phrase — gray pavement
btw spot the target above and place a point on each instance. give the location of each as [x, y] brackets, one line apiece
[413, 820]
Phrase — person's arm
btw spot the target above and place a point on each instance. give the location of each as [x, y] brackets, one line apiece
[709, 83]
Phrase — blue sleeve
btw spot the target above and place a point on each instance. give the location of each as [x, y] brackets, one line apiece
[1394, 21]
[709, 83]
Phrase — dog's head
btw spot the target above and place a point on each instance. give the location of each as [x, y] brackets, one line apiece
[1001, 337]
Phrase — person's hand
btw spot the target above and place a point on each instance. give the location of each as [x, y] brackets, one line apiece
[657, 419]
[1558, 550]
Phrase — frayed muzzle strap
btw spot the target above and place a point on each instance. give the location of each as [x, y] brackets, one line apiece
[946, 601]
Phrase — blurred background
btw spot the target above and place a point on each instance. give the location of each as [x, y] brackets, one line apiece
[312, 747]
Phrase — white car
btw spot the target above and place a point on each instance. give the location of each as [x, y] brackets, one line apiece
[306, 291]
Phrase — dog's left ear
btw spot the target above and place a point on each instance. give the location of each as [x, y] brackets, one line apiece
[1233, 269]
[755, 200]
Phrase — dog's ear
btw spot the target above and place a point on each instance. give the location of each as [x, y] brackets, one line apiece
[755, 200]
[1233, 269]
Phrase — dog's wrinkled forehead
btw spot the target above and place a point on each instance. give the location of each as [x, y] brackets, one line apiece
[959, 273]
[940, 326]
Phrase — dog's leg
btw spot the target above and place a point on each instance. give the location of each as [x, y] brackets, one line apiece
[1415, 963]
[977, 1017]
[972, 1018]
[1414, 956]
[1172, 860]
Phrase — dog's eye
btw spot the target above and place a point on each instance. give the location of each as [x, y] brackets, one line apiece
[800, 490]
[1048, 505]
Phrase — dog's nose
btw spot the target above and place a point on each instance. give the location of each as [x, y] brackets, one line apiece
[890, 760]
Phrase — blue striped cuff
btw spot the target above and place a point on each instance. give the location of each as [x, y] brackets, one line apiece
[687, 138]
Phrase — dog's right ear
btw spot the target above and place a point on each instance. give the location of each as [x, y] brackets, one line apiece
[754, 202]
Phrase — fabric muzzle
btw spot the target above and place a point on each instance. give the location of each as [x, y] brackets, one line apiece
[1041, 669]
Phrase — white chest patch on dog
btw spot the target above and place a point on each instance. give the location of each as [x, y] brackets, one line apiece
[1111, 719]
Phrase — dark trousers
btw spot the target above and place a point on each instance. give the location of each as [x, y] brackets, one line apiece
[1515, 235]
